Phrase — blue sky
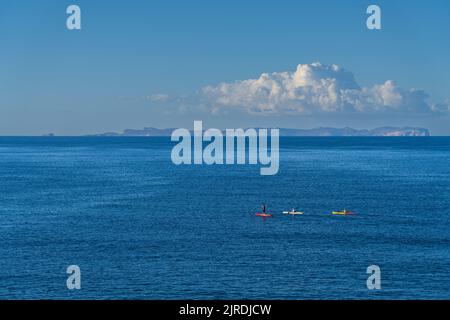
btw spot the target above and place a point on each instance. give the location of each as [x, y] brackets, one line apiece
[103, 77]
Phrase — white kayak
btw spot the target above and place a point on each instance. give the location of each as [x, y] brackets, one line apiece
[292, 212]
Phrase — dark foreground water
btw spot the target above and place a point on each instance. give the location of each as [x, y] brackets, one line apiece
[140, 227]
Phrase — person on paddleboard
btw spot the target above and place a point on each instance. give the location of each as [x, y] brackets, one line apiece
[263, 208]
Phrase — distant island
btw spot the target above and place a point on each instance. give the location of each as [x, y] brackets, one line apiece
[316, 132]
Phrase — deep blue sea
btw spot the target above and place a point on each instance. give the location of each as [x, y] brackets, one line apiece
[140, 227]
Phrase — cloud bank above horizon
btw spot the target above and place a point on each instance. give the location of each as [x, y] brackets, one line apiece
[317, 89]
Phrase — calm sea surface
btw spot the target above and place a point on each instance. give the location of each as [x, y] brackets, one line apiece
[140, 227]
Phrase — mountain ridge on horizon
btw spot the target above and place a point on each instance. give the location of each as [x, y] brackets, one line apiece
[314, 132]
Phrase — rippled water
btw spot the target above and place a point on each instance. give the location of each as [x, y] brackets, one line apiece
[140, 227]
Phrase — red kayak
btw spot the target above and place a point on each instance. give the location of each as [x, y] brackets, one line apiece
[264, 215]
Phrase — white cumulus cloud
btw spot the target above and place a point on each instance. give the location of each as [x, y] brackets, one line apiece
[313, 89]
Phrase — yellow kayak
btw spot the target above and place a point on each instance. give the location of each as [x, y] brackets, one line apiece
[343, 213]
